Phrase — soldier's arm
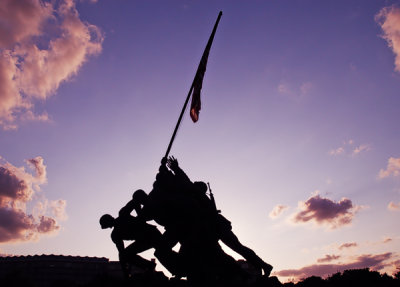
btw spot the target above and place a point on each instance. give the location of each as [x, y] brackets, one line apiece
[128, 208]
[172, 163]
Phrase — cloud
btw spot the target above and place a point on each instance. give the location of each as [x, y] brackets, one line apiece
[389, 20]
[348, 148]
[17, 188]
[337, 151]
[15, 184]
[57, 208]
[324, 211]
[40, 168]
[394, 206]
[396, 266]
[21, 20]
[361, 148]
[277, 211]
[47, 224]
[392, 169]
[328, 258]
[306, 88]
[348, 245]
[16, 225]
[284, 89]
[41, 46]
[297, 93]
[387, 240]
[374, 262]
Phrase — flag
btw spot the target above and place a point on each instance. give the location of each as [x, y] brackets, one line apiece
[195, 88]
[195, 106]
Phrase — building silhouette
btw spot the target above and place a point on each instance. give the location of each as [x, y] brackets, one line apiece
[53, 270]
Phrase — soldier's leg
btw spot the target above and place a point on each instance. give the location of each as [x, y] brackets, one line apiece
[231, 240]
[168, 257]
[132, 257]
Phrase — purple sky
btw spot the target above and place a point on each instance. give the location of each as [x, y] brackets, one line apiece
[298, 133]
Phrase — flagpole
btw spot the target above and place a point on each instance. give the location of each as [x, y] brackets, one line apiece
[205, 53]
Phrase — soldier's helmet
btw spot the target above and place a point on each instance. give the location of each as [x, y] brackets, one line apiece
[106, 221]
[200, 185]
[139, 195]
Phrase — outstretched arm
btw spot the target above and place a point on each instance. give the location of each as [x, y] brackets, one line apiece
[172, 163]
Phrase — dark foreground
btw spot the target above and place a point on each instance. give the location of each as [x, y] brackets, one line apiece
[353, 278]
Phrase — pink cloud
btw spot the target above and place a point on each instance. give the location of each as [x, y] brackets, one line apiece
[17, 187]
[324, 211]
[284, 89]
[389, 20]
[57, 208]
[47, 225]
[277, 210]
[337, 151]
[392, 169]
[40, 168]
[328, 258]
[21, 20]
[16, 225]
[387, 240]
[348, 245]
[27, 72]
[15, 184]
[361, 148]
[394, 206]
[374, 262]
[347, 148]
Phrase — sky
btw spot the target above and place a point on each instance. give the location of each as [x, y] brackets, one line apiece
[298, 134]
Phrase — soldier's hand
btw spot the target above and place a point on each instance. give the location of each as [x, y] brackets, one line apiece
[172, 163]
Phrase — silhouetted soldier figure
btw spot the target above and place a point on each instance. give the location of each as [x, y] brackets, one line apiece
[146, 236]
[179, 213]
[202, 251]
[224, 226]
[173, 205]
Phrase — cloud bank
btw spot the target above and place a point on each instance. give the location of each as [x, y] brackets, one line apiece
[375, 262]
[17, 188]
[389, 20]
[42, 44]
[323, 211]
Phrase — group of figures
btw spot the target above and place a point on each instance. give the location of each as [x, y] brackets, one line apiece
[190, 218]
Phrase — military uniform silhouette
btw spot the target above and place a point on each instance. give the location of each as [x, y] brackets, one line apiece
[146, 236]
[223, 225]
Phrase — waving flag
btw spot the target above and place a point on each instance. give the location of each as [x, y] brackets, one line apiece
[195, 106]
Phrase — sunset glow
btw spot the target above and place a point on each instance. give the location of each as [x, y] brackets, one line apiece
[298, 135]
